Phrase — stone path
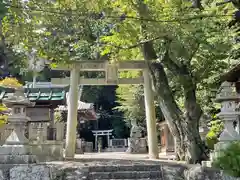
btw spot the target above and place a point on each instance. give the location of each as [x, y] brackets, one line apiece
[123, 155]
[114, 158]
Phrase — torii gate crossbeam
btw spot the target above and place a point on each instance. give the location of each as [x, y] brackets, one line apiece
[111, 72]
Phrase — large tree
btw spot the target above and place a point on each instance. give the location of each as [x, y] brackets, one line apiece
[180, 43]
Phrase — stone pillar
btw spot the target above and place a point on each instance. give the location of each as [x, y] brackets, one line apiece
[51, 116]
[96, 141]
[72, 115]
[165, 132]
[44, 131]
[150, 116]
[59, 131]
[108, 139]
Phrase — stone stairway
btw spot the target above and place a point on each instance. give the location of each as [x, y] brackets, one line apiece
[140, 172]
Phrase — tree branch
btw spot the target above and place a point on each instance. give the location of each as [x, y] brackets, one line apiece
[197, 4]
[168, 62]
[194, 52]
[134, 45]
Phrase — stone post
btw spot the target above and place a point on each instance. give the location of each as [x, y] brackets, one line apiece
[59, 131]
[44, 129]
[150, 116]
[72, 115]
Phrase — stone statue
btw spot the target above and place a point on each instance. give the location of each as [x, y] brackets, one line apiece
[136, 144]
[136, 131]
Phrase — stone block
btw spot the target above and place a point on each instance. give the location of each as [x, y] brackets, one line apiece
[17, 159]
[201, 173]
[29, 172]
[172, 171]
[14, 150]
[47, 150]
[137, 145]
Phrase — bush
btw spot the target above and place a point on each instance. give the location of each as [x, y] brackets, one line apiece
[58, 116]
[216, 128]
[3, 114]
[10, 82]
[229, 160]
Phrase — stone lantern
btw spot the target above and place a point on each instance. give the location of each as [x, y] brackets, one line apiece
[228, 99]
[229, 115]
[16, 147]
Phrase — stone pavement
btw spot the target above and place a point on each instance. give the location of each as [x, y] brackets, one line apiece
[123, 155]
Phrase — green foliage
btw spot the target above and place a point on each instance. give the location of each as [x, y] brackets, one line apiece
[131, 100]
[229, 160]
[58, 116]
[10, 82]
[3, 114]
[131, 103]
[203, 45]
[216, 128]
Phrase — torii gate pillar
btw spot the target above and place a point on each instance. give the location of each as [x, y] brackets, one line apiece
[150, 116]
[72, 115]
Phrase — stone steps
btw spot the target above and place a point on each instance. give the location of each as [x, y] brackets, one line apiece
[125, 168]
[128, 179]
[125, 175]
[140, 172]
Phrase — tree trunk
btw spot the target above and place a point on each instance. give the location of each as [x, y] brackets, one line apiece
[184, 127]
[169, 108]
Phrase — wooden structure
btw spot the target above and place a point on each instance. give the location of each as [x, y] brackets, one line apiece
[86, 111]
[232, 75]
[111, 71]
[45, 99]
[167, 139]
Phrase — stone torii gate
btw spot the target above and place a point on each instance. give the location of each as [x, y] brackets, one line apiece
[111, 78]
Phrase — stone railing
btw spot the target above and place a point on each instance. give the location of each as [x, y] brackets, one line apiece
[59, 131]
[42, 131]
[83, 146]
[36, 131]
[118, 143]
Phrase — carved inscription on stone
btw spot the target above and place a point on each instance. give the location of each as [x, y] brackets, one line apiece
[91, 66]
[112, 74]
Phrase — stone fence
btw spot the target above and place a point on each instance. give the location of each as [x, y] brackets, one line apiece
[83, 146]
[36, 132]
[118, 143]
[43, 131]
[45, 147]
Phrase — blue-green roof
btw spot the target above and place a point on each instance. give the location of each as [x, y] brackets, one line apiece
[39, 94]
